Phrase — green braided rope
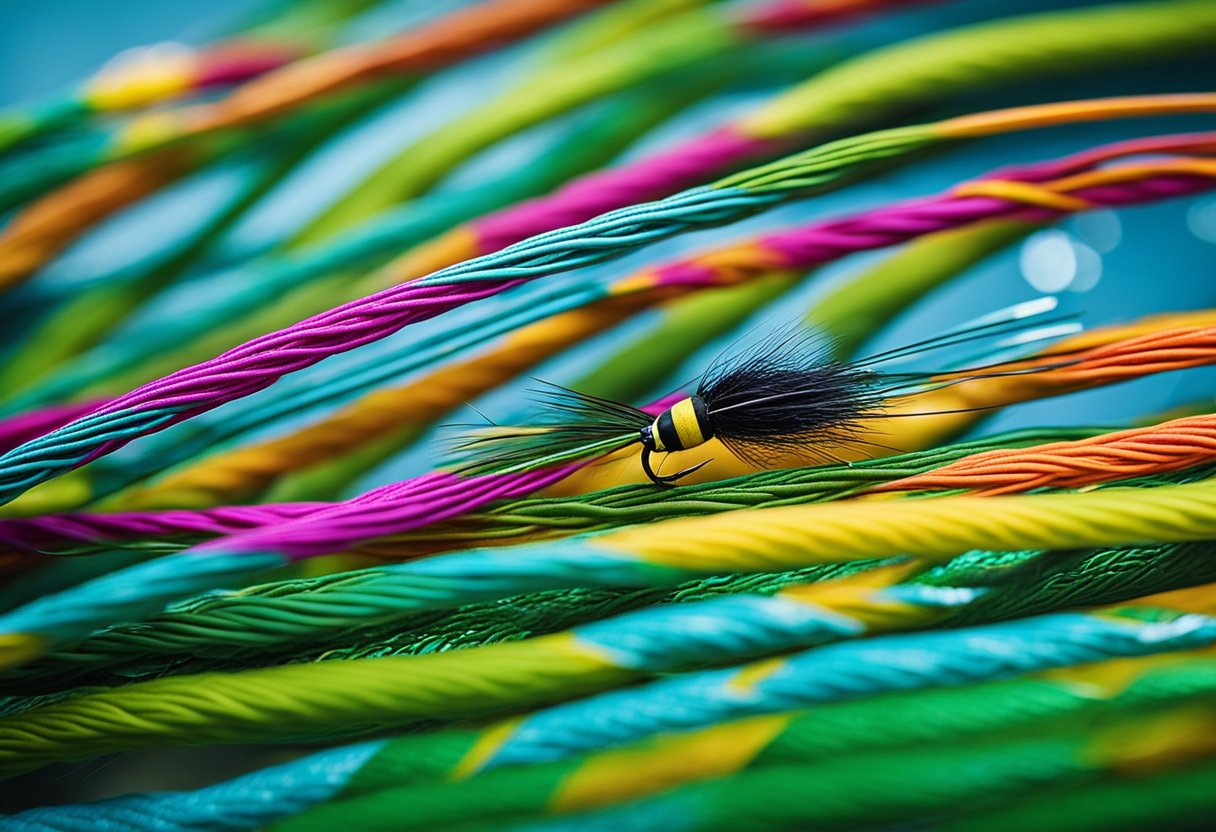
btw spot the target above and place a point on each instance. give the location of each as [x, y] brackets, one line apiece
[626, 116]
[123, 655]
[1173, 800]
[412, 771]
[856, 790]
[335, 615]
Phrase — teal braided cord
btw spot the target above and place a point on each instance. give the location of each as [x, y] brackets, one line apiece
[125, 595]
[895, 720]
[604, 238]
[1177, 800]
[57, 574]
[182, 628]
[357, 615]
[826, 734]
[947, 715]
[589, 143]
[300, 702]
[1030, 584]
[607, 236]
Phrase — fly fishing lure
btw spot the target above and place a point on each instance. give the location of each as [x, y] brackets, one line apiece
[785, 397]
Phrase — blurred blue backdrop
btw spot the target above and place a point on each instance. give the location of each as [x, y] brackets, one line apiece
[1112, 266]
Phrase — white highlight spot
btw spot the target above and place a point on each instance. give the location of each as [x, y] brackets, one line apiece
[1201, 219]
[1052, 261]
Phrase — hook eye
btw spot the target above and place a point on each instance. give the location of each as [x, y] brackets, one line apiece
[667, 481]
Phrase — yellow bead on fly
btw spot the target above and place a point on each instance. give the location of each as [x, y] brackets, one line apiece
[682, 426]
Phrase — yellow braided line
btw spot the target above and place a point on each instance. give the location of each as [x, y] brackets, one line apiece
[765, 540]
[1026, 192]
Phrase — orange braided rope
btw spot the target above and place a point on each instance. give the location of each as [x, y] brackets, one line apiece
[48, 226]
[1170, 446]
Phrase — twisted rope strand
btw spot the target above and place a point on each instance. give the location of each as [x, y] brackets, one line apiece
[1170, 446]
[414, 768]
[296, 701]
[669, 552]
[246, 470]
[255, 365]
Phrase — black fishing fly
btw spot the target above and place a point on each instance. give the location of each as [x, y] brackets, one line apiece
[786, 397]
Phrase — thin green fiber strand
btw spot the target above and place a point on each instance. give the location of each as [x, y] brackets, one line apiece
[685, 325]
[817, 171]
[474, 625]
[856, 310]
[632, 504]
[83, 320]
[811, 736]
[860, 306]
[1020, 584]
[974, 53]
[674, 44]
[887, 721]
[103, 478]
[1174, 799]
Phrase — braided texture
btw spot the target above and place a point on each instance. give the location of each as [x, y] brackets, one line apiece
[138, 591]
[411, 770]
[296, 701]
[908, 786]
[247, 470]
[1170, 446]
[53, 221]
[666, 553]
[258, 363]
[837, 672]
[857, 91]
[619, 776]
